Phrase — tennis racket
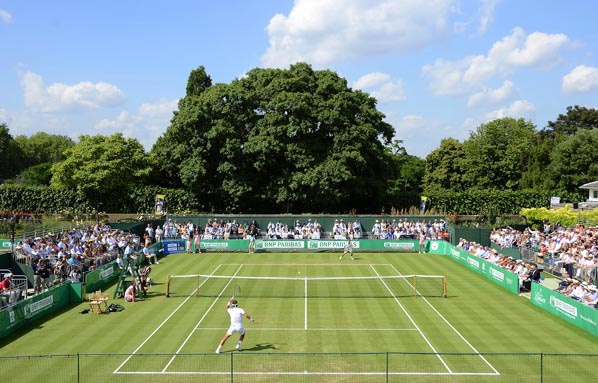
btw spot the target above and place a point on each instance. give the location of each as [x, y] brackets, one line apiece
[236, 291]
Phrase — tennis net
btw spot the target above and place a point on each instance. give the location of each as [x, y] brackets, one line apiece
[379, 286]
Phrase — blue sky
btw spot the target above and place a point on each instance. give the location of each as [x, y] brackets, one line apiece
[438, 68]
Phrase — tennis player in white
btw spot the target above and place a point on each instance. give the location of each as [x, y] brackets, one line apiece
[236, 323]
[347, 249]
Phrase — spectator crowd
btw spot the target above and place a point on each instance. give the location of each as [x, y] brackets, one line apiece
[571, 253]
[56, 258]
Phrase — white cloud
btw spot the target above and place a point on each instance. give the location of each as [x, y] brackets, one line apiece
[518, 109]
[323, 32]
[486, 14]
[60, 97]
[446, 77]
[580, 80]
[5, 16]
[150, 121]
[381, 86]
[480, 20]
[492, 96]
[513, 52]
[411, 123]
[420, 134]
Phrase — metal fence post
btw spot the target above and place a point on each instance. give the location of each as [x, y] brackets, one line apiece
[232, 373]
[541, 367]
[387, 366]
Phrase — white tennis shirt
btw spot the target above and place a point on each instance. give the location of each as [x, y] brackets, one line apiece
[236, 316]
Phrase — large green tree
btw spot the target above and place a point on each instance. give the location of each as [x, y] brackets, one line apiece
[497, 154]
[42, 147]
[277, 140]
[102, 167]
[577, 117]
[40, 152]
[444, 167]
[11, 162]
[564, 126]
[574, 161]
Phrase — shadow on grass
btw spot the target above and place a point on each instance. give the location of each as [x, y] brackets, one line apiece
[261, 347]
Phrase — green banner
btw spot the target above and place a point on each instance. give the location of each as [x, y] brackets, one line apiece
[5, 244]
[101, 276]
[307, 245]
[25, 311]
[506, 279]
[569, 309]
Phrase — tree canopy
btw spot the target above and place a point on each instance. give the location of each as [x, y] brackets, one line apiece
[277, 140]
[11, 161]
[102, 167]
[497, 153]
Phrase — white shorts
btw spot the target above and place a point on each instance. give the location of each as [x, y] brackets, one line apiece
[236, 329]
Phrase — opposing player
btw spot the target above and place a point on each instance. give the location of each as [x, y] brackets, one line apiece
[236, 323]
[348, 249]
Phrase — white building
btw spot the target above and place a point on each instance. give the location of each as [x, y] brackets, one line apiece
[592, 200]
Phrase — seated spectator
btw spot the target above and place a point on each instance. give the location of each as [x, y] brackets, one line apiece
[119, 262]
[591, 299]
[9, 290]
[150, 257]
[576, 291]
[533, 275]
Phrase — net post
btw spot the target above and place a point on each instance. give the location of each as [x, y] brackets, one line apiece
[167, 285]
[444, 286]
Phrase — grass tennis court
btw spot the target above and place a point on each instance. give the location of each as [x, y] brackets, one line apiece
[318, 319]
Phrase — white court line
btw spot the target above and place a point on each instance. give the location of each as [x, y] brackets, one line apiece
[307, 373]
[199, 322]
[305, 310]
[309, 329]
[160, 326]
[453, 328]
[413, 322]
[305, 264]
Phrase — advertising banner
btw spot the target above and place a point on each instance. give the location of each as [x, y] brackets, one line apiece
[25, 311]
[305, 245]
[506, 279]
[569, 309]
[103, 275]
[171, 247]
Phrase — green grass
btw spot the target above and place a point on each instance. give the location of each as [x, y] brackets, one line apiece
[367, 318]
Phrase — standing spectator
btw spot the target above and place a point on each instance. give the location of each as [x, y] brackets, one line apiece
[196, 239]
[150, 231]
[376, 230]
[158, 234]
[189, 234]
[41, 276]
[422, 241]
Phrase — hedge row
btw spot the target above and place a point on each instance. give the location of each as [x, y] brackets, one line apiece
[39, 199]
[141, 200]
